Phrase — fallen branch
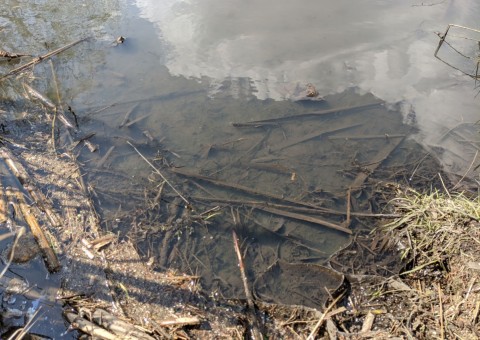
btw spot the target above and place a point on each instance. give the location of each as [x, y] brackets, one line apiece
[349, 208]
[316, 210]
[40, 59]
[255, 330]
[275, 121]
[310, 136]
[306, 218]
[365, 137]
[239, 187]
[102, 160]
[127, 115]
[323, 317]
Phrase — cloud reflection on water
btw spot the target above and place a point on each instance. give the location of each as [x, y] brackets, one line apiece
[381, 47]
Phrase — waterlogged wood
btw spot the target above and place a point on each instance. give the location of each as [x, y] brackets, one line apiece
[127, 115]
[136, 120]
[50, 257]
[322, 113]
[306, 218]
[41, 58]
[316, 210]
[102, 161]
[381, 155]
[313, 135]
[239, 187]
[365, 137]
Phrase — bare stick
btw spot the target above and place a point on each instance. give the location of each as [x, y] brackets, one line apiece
[127, 115]
[41, 58]
[323, 317]
[248, 293]
[240, 188]
[365, 137]
[310, 136]
[322, 113]
[136, 120]
[59, 101]
[442, 329]
[159, 173]
[45, 101]
[102, 161]
[192, 320]
[349, 207]
[466, 172]
[317, 210]
[306, 219]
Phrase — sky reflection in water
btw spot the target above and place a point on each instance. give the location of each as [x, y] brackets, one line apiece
[381, 47]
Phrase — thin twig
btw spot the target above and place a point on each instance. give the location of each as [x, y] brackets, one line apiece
[443, 184]
[255, 329]
[442, 330]
[19, 234]
[466, 172]
[322, 318]
[59, 102]
[159, 173]
[349, 208]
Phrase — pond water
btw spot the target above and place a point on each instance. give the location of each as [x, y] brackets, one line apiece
[189, 69]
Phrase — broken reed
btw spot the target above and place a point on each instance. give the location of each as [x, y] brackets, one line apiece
[433, 226]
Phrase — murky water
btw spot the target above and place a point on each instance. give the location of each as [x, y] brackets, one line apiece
[189, 69]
